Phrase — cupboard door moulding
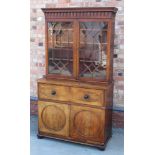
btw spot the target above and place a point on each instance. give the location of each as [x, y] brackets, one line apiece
[87, 124]
[53, 118]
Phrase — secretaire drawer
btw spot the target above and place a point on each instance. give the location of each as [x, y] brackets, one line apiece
[87, 96]
[54, 92]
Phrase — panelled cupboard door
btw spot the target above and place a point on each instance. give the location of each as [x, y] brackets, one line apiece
[53, 118]
[87, 124]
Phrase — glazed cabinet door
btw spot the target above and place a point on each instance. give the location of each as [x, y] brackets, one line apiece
[53, 118]
[93, 46]
[60, 48]
[87, 124]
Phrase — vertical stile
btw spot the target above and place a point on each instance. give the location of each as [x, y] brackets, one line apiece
[46, 45]
[108, 65]
[75, 49]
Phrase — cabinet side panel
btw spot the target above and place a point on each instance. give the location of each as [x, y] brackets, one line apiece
[108, 124]
[109, 96]
[112, 48]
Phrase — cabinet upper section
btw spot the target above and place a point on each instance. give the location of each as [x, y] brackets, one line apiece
[79, 43]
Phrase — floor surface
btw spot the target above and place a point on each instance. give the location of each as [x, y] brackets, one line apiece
[46, 146]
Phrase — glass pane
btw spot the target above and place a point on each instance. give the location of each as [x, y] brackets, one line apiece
[60, 48]
[93, 49]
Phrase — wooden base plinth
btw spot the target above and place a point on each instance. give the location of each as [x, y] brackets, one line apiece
[100, 147]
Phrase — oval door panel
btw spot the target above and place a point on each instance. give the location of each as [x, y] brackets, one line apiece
[86, 123]
[53, 118]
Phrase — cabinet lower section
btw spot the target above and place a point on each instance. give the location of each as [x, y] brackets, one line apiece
[77, 123]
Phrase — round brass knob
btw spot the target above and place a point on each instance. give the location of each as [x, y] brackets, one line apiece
[53, 92]
[86, 97]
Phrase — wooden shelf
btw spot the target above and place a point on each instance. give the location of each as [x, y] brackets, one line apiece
[61, 48]
[93, 30]
[80, 29]
[61, 29]
[61, 59]
[95, 61]
[81, 60]
[93, 43]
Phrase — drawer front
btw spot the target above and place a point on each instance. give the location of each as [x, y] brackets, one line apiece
[87, 96]
[60, 93]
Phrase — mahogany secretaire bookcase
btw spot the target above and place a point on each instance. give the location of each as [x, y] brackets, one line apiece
[76, 94]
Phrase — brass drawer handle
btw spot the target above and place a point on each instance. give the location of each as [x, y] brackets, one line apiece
[86, 97]
[53, 93]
